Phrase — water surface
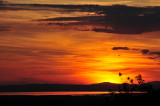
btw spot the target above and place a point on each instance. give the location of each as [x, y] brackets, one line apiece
[73, 93]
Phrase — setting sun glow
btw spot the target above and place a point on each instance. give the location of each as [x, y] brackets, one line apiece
[46, 43]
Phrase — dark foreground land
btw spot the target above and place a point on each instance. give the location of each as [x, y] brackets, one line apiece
[100, 100]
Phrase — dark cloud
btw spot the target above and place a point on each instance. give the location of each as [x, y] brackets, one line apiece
[1, 2]
[61, 8]
[155, 53]
[5, 28]
[135, 49]
[120, 48]
[145, 51]
[119, 19]
[153, 57]
[116, 19]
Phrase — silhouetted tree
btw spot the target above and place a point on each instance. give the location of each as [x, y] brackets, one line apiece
[125, 84]
[139, 79]
[128, 84]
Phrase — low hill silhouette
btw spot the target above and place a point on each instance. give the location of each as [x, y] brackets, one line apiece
[105, 86]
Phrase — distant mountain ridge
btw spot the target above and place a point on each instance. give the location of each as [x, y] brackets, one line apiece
[105, 86]
[155, 84]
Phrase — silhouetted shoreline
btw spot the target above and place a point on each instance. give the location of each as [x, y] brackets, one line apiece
[86, 100]
[106, 86]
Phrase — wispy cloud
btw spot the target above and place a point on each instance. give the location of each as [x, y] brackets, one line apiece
[5, 28]
[146, 52]
[33, 51]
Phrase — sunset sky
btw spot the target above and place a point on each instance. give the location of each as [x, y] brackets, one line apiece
[69, 42]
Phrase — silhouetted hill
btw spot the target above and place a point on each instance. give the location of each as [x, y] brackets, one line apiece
[155, 84]
[57, 87]
[66, 87]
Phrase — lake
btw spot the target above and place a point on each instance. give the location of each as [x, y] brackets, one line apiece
[72, 93]
[53, 93]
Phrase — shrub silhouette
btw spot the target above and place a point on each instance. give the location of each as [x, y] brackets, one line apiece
[139, 79]
[129, 86]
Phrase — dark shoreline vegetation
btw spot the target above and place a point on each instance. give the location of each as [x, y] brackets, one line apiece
[151, 96]
[86, 100]
[128, 85]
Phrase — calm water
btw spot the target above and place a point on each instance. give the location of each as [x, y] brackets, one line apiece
[52, 93]
[57, 93]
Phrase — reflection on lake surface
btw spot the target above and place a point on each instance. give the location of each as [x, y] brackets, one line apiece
[73, 93]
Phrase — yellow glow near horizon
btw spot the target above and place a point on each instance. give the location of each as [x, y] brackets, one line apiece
[99, 77]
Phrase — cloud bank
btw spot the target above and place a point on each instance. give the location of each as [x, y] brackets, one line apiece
[118, 19]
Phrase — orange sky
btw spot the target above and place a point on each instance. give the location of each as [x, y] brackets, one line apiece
[99, 2]
[35, 52]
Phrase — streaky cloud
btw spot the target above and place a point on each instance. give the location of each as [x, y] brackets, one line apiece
[118, 19]
[120, 48]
